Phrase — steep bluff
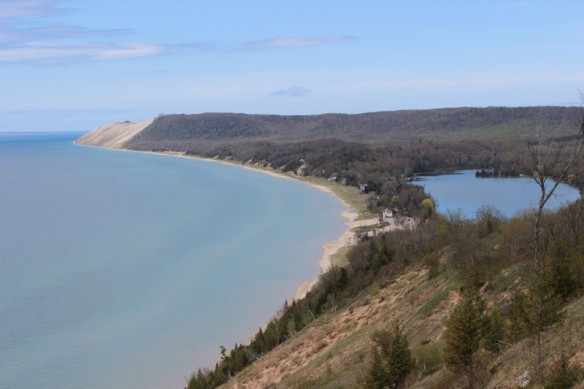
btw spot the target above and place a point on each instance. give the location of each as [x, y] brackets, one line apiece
[114, 135]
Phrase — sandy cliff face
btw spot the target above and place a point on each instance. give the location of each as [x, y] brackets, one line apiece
[114, 135]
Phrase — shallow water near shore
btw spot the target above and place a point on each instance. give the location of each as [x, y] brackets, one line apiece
[126, 270]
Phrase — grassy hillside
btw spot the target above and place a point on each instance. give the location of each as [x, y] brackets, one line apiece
[335, 351]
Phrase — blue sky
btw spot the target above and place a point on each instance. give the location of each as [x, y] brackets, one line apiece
[74, 65]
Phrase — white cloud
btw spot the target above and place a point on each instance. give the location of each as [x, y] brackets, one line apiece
[293, 91]
[30, 8]
[288, 42]
[65, 53]
[57, 53]
[28, 35]
[18, 35]
[58, 44]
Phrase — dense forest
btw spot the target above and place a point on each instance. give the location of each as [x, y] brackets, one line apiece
[382, 127]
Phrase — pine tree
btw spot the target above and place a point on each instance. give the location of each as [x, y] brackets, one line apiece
[392, 360]
[376, 379]
[496, 331]
[465, 329]
[558, 275]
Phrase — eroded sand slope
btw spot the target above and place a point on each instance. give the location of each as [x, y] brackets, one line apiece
[113, 135]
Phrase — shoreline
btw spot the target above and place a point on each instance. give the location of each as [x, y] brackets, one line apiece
[329, 249]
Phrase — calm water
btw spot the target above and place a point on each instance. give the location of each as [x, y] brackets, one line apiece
[463, 191]
[126, 270]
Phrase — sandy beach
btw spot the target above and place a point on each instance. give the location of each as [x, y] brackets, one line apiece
[348, 238]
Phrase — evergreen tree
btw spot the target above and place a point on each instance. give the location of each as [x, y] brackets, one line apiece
[521, 317]
[496, 331]
[200, 380]
[376, 378]
[465, 329]
[258, 345]
[533, 312]
[392, 360]
[558, 275]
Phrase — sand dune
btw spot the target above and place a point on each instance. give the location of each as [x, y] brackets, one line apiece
[114, 135]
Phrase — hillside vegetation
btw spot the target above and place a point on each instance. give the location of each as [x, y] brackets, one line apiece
[418, 278]
[444, 124]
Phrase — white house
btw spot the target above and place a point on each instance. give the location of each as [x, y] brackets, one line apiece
[387, 214]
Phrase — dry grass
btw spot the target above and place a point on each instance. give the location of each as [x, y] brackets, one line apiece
[334, 351]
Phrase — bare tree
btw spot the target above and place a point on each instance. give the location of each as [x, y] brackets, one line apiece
[555, 160]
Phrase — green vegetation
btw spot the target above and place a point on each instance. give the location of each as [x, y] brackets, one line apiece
[564, 376]
[473, 336]
[454, 124]
[392, 359]
[495, 331]
[429, 358]
[528, 270]
[435, 301]
[465, 329]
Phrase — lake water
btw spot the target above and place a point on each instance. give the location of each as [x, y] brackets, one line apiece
[463, 191]
[128, 270]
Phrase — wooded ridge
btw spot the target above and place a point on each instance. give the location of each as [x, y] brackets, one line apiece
[461, 123]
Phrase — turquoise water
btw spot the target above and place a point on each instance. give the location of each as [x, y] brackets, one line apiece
[463, 191]
[127, 270]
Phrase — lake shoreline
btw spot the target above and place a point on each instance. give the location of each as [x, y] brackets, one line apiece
[329, 249]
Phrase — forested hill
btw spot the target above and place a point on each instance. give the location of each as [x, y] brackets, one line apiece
[369, 148]
[373, 151]
[376, 127]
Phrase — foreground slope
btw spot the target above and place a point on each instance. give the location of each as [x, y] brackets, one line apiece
[417, 277]
[335, 351]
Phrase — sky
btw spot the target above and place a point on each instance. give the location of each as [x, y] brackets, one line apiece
[74, 65]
